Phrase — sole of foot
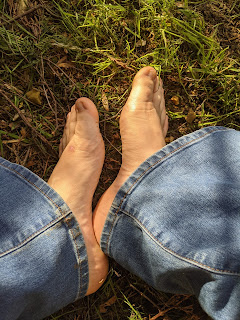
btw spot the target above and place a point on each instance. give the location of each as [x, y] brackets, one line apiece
[76, 176]
[143, 128]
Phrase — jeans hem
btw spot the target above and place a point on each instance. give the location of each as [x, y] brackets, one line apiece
[141, 172]
[60, 214]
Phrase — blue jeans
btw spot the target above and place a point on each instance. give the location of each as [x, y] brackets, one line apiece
[43, 259]
[175, 223]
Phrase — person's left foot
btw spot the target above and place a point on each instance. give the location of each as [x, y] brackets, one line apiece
[143, 128]
[76, 176]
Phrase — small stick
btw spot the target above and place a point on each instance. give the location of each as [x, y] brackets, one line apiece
[22, 15]
[142, 294]
[27, 122]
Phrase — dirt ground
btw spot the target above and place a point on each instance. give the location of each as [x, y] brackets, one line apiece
[30, 132]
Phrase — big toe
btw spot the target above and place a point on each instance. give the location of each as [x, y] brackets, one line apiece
[87, 124]
[143, 89]
[89, 106]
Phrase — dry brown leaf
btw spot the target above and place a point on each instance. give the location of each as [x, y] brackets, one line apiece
[16, 116]
[141, 43]
[13, 125]
[34, 96]
[30, 163]
[22, 6]
[23, 132]
[10, 141]
[108, 303]
[179, 4]
[66, 65]
[105, 101]
[169, 139]
[191, 116]
[102, 309]
[63, 59]
[175, 100]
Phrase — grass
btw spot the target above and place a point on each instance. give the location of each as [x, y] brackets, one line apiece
[67, 49]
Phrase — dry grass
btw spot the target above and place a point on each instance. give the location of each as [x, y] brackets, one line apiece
[67, 49]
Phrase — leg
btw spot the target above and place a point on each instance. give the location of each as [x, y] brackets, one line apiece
[76, 177]
[175, 220]
[49, 256]
[143, 127]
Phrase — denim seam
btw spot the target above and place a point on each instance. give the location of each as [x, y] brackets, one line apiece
[53, 222]
[168, 250]
[129, 189]
[18, 173]
[175, 253]
[163, 158]
[34, 235]
[113, 222]
[79, 259]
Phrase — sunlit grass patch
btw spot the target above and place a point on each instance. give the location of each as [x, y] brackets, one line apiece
[66, 49]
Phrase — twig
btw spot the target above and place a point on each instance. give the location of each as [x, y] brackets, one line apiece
[160, 314]
[111, 144]
[74, 83]
[22, 15]
[45, 83]
[26, 157]
[27, 122]
[113, 117]
[142, 294]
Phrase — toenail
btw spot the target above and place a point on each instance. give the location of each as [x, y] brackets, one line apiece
[79, 106]
[152, 74]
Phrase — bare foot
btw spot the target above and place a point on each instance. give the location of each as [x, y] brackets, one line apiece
[143, 128]
[76, 176]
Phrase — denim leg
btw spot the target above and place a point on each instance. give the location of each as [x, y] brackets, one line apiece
[176, 221]
[43, 259]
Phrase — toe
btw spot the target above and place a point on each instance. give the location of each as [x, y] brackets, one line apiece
[158, 94]
[72, 123]
[165, 126]
[64, 139]
[65, 133]
[143, 87]
[87, 127]
[159, 102]
[88, 105]
[60, 148]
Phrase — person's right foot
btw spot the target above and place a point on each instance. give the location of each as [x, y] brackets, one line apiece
[143, 127]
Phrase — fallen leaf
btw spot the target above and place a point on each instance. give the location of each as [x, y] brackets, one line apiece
[191, 116]
[10, 141]
[23, 132]
[141, 43]
[34, 96]
[13, 125]
[30, 163]
[179, 4]
[169, 139]
[102, 309]
[175, 100]
[22, 6]
[66, 65]
[63, 59]
[108, 303]
[16, 116]
[105, 101]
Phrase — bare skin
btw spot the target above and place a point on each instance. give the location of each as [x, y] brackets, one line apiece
[143, 128]
[76, 176]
